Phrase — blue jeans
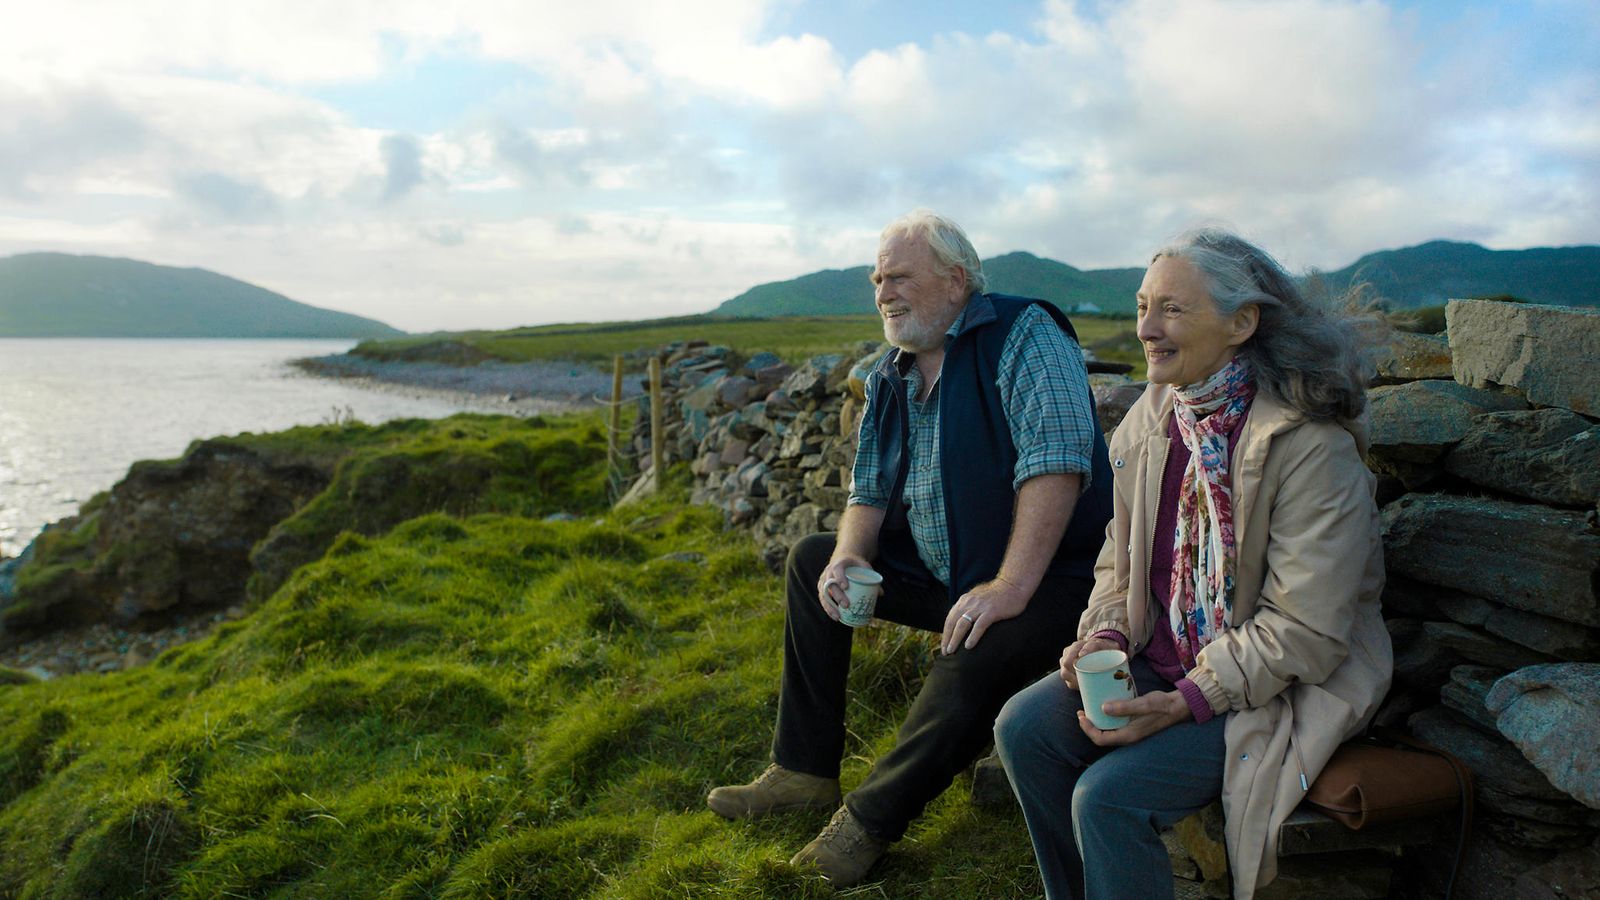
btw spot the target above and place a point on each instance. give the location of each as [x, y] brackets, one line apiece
[1106, 842]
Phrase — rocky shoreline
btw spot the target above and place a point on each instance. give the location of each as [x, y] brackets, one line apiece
[523, 389]
[105, 648]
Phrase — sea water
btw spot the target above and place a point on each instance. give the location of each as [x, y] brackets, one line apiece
[75, 413]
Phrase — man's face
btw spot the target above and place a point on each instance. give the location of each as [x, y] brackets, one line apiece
[917, 301]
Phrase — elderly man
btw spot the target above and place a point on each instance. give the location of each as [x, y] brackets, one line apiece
[981, 493]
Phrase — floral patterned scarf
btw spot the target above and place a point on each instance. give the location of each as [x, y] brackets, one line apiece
[1203, 552]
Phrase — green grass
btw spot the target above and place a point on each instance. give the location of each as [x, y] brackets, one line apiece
[484, 704]
[794, 339]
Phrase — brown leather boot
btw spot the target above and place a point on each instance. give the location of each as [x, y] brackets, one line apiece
[775, 790]
[844, 851]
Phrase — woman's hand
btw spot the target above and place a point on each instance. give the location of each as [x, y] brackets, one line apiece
[1081, 648]
[1147, 714]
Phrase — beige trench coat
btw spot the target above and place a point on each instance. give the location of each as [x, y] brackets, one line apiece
[1307, 658]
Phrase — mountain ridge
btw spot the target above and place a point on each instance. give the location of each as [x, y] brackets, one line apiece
[1426, 274]
[70, 295]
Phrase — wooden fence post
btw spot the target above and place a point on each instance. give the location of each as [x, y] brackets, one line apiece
[614, 437]
[657, 439]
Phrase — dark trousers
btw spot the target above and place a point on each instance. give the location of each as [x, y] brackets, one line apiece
[952, 718]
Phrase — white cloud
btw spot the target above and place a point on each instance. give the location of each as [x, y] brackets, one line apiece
[658, 158]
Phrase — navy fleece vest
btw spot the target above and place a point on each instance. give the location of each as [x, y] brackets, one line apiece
[977, 457]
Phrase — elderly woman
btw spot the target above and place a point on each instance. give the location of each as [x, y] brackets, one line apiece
[1240, 573]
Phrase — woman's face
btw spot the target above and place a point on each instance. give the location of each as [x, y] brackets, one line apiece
[1185, 339]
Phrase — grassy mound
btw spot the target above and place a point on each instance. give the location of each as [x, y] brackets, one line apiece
[465, 706]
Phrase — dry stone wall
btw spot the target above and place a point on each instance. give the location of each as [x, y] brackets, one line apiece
[1487, 448]
[1490, 466]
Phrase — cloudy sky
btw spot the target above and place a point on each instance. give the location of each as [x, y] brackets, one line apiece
[491, 163]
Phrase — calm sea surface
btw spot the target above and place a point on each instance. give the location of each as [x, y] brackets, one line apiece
[75, 413]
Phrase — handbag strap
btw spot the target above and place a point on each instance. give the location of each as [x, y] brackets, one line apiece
[1463, 785]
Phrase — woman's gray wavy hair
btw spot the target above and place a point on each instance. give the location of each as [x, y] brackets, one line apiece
[945, 238]
[1307, 352]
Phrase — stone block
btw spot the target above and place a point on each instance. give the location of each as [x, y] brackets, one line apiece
[1412, 357]
[1466, 609]
[1562, 640]
[812, 378]
[1464, 693]
[1201, 836]
[733, 391]
[1112, 401]
[823, 477]
[1182, 866]
[1546, 353]
[828, 498]
[1414, 424]
[1494, 763]
[1532, 558]
[1418, 661]
[774, 554]
[753, 475]
[1536, 833]
[1481, 648]
[803, 520]
[1556, 812]
[779, 403]
[769, 377]
[1546, 455]
[760, 361]
[856, 382]
[991, 789]
[1552, 714]
[733, 452]
[799, 442]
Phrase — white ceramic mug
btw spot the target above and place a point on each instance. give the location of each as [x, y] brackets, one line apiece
[862, 586]
[1103, 676]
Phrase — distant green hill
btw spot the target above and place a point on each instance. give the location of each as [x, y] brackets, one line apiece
[847, 291]
[61, 295]
[1431, 273]
[1424, 275]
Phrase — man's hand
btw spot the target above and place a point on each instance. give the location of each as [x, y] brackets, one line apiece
[1147, 714]
[831, 583]
[977, 609]
[1081, 648]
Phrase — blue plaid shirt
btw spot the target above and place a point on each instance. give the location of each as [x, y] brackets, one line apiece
[1044, 390]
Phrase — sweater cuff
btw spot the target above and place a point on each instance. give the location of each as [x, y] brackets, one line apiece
[1116, 637]
[1196, 700]
[1213, 694]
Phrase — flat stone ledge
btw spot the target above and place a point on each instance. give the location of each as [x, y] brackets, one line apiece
[1546, 353]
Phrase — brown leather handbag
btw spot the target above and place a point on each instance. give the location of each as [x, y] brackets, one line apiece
[1384, 779]
[1388, 777]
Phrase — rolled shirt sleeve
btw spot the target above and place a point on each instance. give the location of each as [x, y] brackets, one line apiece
[866, 475]
[1045, 390]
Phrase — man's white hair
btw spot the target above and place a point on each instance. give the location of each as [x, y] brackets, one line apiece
[949, 243]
